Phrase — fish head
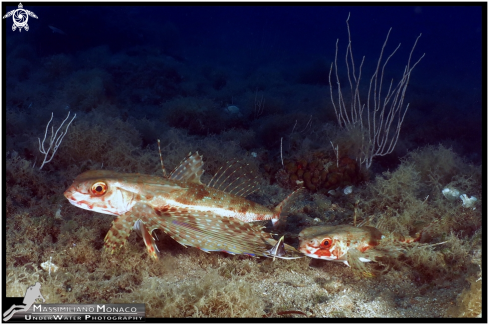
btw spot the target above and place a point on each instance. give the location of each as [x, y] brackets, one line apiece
[102, 191]
[325, 242]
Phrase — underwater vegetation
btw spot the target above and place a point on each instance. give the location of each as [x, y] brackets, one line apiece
[186, 282]
[280, 124]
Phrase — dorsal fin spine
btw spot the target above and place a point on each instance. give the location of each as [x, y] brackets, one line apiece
[181, 162]
[246, 192]
[235, 187]
[220, 176]
[236, 179]
[248, 189]
[234, 171]
[278, 209]
[190, 169]
[243, 192]
[210, 183]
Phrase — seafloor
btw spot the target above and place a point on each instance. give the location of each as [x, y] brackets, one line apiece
[132, 77]
[439, 277]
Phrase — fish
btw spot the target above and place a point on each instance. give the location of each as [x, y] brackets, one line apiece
[352, 245]
[212, 217]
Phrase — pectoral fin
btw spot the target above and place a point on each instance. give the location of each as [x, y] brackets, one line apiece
[117, 235]
[210, 232]
[141, 218]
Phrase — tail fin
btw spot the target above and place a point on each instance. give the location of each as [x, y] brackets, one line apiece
[284, 205]
[210, 232]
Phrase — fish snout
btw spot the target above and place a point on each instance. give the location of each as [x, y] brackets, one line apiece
[68, 193]
[308, 246]
[304, 245]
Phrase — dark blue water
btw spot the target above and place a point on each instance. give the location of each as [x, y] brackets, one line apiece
[224, 54]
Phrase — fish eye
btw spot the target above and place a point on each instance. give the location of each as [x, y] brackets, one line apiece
[99, 188]
[326, 242]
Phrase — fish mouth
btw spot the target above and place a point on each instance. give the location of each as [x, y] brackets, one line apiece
[306, 250]
[326, 258]
[320, 257]
[74, 202]
[315, 252]
[68, 194]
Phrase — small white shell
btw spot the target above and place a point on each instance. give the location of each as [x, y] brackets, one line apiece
[49, 266]
[468, 202]
[347, 190]
[451, 193]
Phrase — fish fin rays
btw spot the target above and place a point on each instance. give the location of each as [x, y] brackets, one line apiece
[210, 232]
[189, 170]
[235, 178]
[284, 205]
[117, 235]
[204, 230]
[287, 202]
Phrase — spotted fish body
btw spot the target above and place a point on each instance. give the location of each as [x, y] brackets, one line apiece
[191, 213]
[349, 244]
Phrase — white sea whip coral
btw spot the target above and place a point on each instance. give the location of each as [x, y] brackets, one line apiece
[381, 122]
[55, 140]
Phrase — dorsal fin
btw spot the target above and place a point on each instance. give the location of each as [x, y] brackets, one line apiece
[189, 170]
[285, 204]
[235, 178]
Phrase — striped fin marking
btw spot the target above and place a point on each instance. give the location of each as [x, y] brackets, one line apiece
[285, 204]
[210, 232]
[117, 235]
[141, 219]
[189, 170]
[203, 230]
[287, 201]
[235, 178]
